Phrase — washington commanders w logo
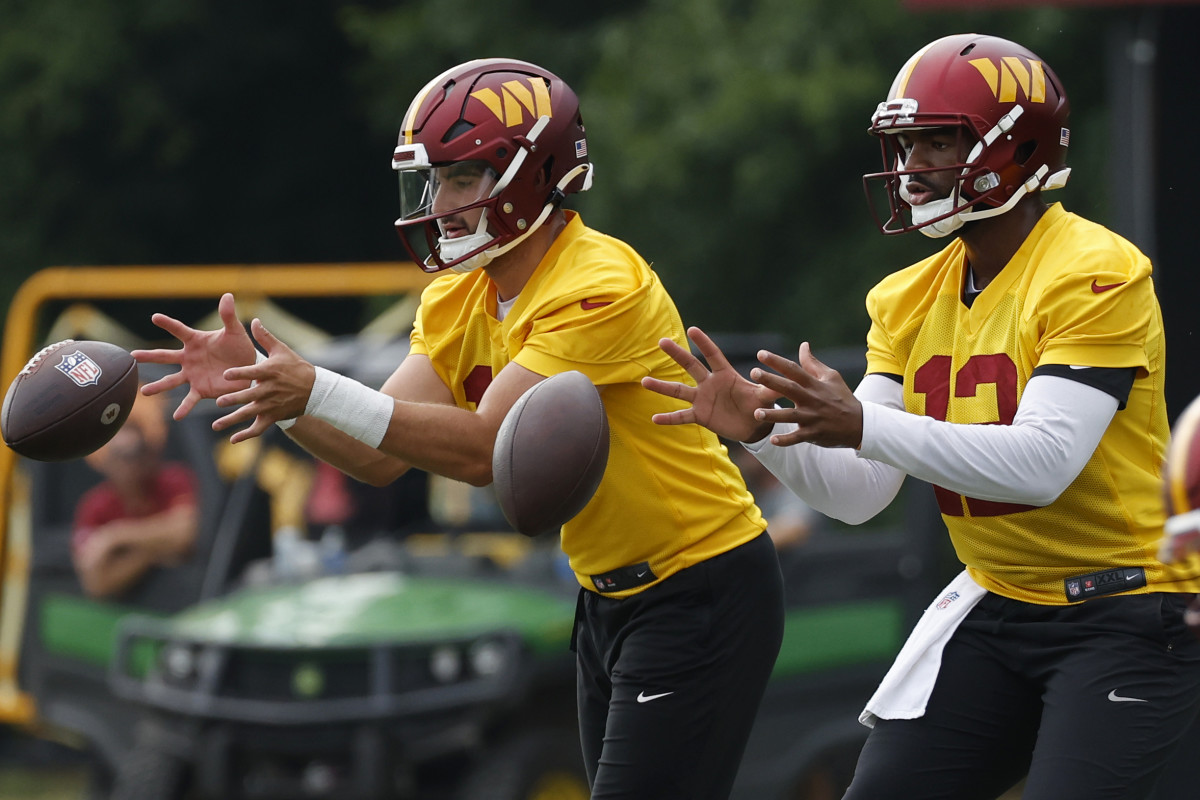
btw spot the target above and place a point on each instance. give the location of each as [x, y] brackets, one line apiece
[1010, 74]
[515, 99]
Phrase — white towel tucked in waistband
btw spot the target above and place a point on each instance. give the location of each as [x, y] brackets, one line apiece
[904, 691]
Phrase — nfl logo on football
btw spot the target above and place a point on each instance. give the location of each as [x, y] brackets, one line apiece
[80, 369]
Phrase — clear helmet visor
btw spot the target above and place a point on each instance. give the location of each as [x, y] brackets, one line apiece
[445, 191]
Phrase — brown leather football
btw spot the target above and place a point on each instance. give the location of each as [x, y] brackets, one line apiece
[551, 452]
[69, 400]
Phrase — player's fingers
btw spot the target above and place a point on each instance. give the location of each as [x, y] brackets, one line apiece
[257, 429]
[680, 355]
[684, 416]
[777, 383]
[694, 367]
[670, 388]
[248, 373]
[157, 356]
[813, 365]
[797, 436]
[173, 326]
[708, 348]
[227, 308]
[776, 414]
[267, 339]
[164, 384]
[238, 416]
[186, 405]
[784, 366]
[238, 398]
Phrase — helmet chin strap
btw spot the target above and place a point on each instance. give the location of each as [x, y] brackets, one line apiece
[450, 249]
[922, 214]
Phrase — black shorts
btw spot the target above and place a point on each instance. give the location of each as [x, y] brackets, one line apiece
[670, 679]
[1090, 700]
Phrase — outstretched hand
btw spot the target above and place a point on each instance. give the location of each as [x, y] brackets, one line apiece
[722, 400]
[280, 388]
[203, 359]
[825, 411]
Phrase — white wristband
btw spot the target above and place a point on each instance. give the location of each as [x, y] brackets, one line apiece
[350, 407]
[283, 424]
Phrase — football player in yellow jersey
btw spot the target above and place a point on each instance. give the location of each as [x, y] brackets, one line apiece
[1020, 371]
[680, 615]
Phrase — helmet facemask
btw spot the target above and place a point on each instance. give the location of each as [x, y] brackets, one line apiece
[935, 218]
[444, 212]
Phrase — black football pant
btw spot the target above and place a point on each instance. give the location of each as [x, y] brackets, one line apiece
[1090, 699]
[670, 679]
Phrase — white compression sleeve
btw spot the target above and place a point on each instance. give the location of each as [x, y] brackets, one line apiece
[1057, 427]
[835, 481]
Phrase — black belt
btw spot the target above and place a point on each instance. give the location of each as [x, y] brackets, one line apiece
[1109, 581]
[622, 578]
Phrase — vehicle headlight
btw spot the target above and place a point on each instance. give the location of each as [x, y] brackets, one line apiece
[445, 664]
[488, 657]
[178, 662]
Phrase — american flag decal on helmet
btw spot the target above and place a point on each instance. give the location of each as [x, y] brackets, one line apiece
[580, 148]
[1064, 136]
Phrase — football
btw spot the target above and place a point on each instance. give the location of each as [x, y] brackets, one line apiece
[69, 400]
[551, 452]
[1181, 487]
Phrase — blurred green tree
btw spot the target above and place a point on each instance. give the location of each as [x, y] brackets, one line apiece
[172, 131]
[729, 137]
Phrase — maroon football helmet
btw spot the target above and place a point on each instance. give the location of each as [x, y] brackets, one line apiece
[1010, 111]
[494, 134]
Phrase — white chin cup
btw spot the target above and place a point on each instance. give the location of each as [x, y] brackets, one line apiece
[459, 246]
[943, 227]
[922, 214]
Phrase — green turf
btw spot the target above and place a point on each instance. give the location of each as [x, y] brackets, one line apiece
[47, 783]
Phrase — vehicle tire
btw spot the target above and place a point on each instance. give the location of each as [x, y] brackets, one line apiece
[542, 764]
[99, 779]
[148, 773]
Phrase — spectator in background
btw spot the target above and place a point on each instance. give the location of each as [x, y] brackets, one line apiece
[142, 516]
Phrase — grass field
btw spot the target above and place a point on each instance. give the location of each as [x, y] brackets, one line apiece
[42, 783]
[36, 769]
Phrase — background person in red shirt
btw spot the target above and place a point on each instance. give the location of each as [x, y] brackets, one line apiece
[144, 515]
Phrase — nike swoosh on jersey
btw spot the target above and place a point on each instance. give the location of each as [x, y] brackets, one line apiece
[588, 305]
[646, 698]
[1098, 288]
[1116, 698]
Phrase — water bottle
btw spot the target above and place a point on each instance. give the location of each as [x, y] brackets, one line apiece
[285, 552]
[332, 548]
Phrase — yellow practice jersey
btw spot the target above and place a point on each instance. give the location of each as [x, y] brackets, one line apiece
[671, 496]
[1074, 294]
